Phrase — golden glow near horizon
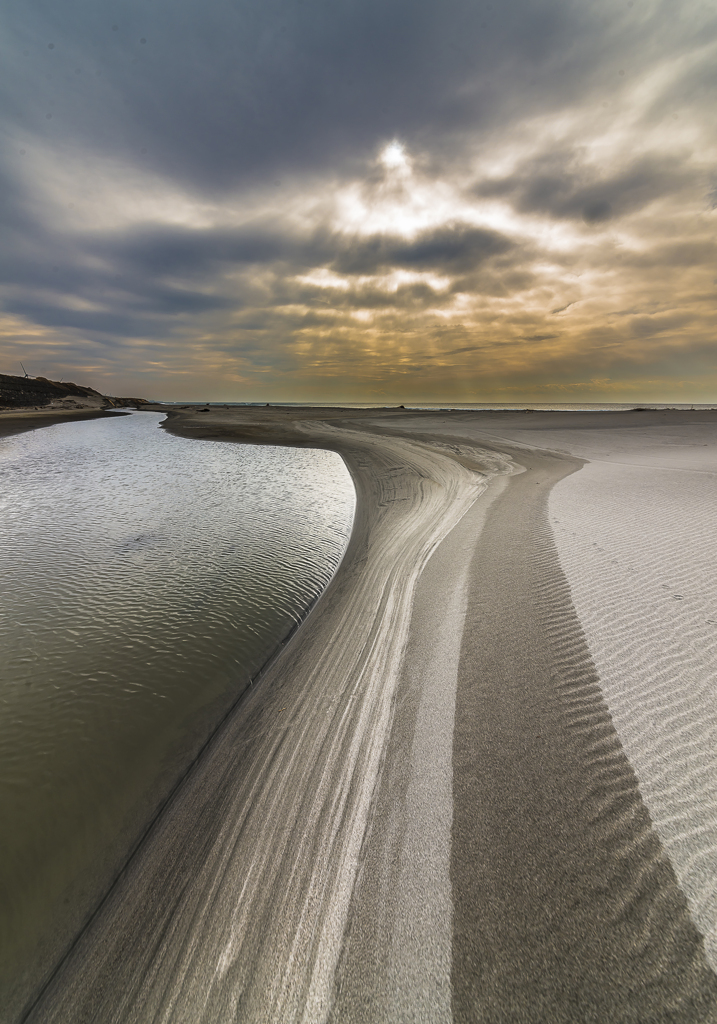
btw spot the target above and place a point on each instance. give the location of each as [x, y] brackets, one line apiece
[559, 250]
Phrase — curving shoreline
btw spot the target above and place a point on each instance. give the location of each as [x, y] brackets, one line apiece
[96, 732]
[301, 873]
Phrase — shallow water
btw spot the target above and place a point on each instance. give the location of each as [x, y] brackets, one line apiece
[144, 578]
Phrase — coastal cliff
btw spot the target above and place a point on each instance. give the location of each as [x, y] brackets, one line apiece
[24, 394]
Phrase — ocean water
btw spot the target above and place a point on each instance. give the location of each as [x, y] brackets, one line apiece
[469, 406]
[144, 580]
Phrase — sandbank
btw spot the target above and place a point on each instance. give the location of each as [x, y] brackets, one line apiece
[14, 421]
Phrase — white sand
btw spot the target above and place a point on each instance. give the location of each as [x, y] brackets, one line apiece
[636, 531]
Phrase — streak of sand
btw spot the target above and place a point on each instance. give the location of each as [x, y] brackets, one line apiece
[397, 957]
[256, 860]
[13, 421]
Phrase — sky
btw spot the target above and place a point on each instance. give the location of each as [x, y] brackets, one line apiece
[397, 201]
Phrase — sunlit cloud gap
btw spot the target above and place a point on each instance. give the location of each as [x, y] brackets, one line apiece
[528, 202]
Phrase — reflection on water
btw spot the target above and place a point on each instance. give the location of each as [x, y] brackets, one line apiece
[143, 579]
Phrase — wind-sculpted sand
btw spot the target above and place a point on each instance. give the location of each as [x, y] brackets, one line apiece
[637, 542]
[425, 812]
[637, 538]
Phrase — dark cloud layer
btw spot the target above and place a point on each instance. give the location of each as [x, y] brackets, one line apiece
[217, 92]
[560, 185]
[135, 269]
[453, 248]
[220, 91]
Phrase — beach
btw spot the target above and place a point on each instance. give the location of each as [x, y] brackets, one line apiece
[477, 784]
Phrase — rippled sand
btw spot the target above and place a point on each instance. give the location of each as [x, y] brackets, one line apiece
[636, 534]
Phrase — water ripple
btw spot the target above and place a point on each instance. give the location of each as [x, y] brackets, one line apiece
[144, 578]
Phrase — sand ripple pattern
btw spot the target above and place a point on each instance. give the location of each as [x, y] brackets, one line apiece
[639, 548]
[566, 907]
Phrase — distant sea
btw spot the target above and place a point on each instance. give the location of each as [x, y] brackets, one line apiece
[478, 406]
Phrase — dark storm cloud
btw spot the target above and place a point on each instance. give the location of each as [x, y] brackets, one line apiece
[47, 280]
[107, 326]
[167, 249]
[453, 248]
[219, 92]
[29, 253]
[47, 275]
[143, 276]
[562, 185]
[417, 296]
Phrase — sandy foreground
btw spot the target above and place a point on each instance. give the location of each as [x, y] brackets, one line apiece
[478, 784]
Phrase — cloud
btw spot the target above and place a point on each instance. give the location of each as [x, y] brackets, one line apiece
[220, 91]
[564, 185]
[452, 248]
[377, 187]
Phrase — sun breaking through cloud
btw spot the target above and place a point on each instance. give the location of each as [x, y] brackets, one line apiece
[291, 202]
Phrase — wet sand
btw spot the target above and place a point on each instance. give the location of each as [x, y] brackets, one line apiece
[14, 422]
[425, 810]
